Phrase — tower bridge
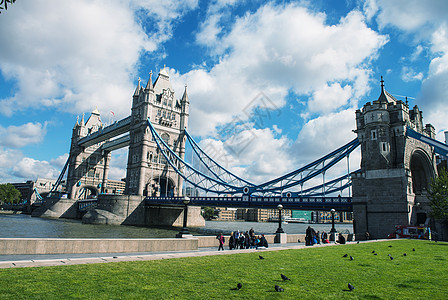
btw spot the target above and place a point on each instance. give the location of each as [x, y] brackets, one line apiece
[397, 164]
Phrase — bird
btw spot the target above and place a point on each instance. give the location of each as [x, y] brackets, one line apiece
[389, 255]
[345, 255]
[239, 285]
[391, 258]
[278, 289]
[261, 257]
[351, 257]
[390, 246]
[373, 251]
[404, 254]
[413, 249]
[284, 277]
[350, 287]
[357, 242]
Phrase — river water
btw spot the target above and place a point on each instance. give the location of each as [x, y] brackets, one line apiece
[25, 226]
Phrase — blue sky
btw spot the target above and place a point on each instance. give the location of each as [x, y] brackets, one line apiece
[307, 64]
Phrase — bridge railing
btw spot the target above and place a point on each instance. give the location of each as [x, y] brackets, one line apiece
[302, 203]
[85, 205]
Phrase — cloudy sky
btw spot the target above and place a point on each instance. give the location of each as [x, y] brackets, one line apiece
[272, 84]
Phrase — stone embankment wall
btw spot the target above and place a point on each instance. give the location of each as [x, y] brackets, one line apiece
[10, 246]
[70, 246]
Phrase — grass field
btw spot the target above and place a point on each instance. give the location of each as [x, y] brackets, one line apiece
[319, 272]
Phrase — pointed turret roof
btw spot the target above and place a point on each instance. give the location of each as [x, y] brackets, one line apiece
[162, 82]
[385, 97]
[185, 96]
[137, 90]
[149, 85]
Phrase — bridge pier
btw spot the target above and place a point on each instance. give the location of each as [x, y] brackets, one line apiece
[131, 210]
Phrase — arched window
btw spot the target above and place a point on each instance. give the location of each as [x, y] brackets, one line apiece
[165, 138]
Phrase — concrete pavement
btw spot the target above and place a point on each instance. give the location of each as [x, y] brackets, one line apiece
[44, 260]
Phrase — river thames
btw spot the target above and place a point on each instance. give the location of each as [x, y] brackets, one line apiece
[25, 226]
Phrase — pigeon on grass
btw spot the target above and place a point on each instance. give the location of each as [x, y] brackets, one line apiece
[278, 289]
[350, 287]
[284, 277]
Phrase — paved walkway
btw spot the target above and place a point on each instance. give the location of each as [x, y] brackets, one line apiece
[44, 260]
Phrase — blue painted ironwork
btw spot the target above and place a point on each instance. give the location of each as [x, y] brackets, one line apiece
[439, 147]
[59, 180]
[190, 174]
[246, 201]
[214, 181]
[218, 171]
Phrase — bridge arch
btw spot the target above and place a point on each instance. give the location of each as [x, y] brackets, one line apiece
[422, 170]
[160, 186]
[87, 191]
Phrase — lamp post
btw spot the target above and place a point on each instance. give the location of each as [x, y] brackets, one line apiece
[184, 231]
[279, 229]
[333, 230]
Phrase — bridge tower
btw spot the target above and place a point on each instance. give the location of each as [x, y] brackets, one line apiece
[391, 188]
[88, 166]
[148, 172]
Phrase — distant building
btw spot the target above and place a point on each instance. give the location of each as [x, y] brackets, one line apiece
[44, 186]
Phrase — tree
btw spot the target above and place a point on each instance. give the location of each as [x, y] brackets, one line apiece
[5, 3]
[9, 194]
[208, 213]
[438, 196]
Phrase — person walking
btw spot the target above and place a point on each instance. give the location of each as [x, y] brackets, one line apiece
[221, 240]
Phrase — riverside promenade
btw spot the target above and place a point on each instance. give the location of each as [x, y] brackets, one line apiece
[45, 260]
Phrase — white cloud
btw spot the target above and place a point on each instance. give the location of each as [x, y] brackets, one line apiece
[426, 22]
[329, 98]
[76, 55]
[15, 167]
[275, 50]
[411, 15]
[19, 136]
[408, 74]
[324, 134]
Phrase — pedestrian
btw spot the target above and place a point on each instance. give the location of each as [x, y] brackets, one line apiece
[221, 241]
[341, 239]
[367, 234]
[231, 241]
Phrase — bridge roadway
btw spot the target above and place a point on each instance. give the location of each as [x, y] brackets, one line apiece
[299, 203]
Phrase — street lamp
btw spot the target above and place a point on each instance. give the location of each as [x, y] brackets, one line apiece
[333, 230]
[279, 229]
[184, 231]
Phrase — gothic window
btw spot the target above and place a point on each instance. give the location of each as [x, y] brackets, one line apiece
[91, 173]
[373, 135]
[165, 138]
[170, 103]
[173, 116]
[164, 114]
[159, 112]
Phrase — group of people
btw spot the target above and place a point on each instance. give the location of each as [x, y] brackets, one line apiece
[313, 237]
[246, 240]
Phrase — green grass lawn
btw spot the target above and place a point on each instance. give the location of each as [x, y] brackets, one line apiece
[314, 272]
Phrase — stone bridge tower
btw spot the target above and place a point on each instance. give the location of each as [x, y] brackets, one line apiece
[391, 188]
[148, 173]
[88, 166]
